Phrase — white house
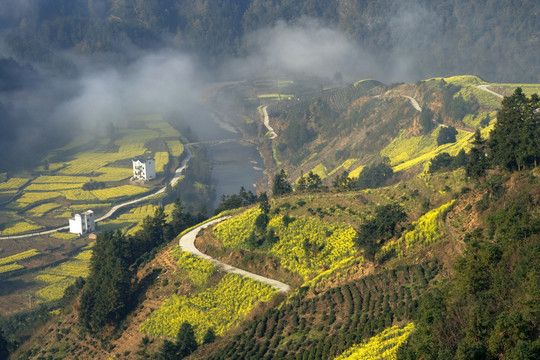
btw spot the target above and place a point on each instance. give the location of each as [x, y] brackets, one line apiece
[144, 169]
[82, 223]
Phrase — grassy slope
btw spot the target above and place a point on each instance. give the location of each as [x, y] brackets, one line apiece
[297, 327]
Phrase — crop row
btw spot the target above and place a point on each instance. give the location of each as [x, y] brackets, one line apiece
[380, 347]
[346, 165]
[51, 179]
[64, 235]
[405, 152]
[218, 307]
[165, 128]
[40, 210]
[325, 325]
[119, 191]
[162, 160]
[427, 230]
[72, 268]
[53, 186]
[113, 174]
[13, 184]
[132, 220]
[62, 276]
[20, 256]
[55, 290]
[10, 267]
[234, 232]
[20, 227]
[175, 147]
[130, 136]
[199, 270]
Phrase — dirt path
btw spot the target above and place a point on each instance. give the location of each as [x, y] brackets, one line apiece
[172, 182]
[187, 243]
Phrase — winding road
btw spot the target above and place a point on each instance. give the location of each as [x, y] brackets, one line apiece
[266, 122]
[172, 182]
[485, 88]
[187, 243]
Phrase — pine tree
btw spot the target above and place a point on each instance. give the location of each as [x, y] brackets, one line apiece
[426, 120]
[210, 336]
[280, 184]
[4, 347]
[515, 141]
[302, 183]
[185, 341]
[105, 296]
[477, 161]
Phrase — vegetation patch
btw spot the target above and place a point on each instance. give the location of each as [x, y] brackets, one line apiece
[20, 256]
[175, 147]
[218, 307]
[199, 270]
[306, 245]
[10, 267]
[20, 227]
[40, 210]
[427, 230]
[13, 184]
[405, 153]
[380, 347]
[119, 191]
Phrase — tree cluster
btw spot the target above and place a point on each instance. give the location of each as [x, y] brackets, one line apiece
[514, 143]
[444, 161]
[310, 182]
[185, 344]
[489, 309]
[234, 201]
[261, 235]
[375, 176]
[447, 135]
[108, 293]
[373, 233]
[280, 184]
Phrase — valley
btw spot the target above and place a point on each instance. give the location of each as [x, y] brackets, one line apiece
[341, 263]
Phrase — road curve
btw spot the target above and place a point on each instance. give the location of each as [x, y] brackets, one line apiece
[266, 121]
[485, 88]
[172, 182]
[187, 243]
[414, 103]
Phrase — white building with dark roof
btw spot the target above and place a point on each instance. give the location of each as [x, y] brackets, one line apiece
[82, 223]
[144, 168]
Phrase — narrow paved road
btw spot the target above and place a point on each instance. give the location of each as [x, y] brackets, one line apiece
[485, 88]
[414, 103]
[266, 121]
[187, 243]
[172, 182]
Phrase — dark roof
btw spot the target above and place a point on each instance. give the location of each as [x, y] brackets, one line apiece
[142, 158]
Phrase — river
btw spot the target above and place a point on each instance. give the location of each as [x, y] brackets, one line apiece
[233, 164]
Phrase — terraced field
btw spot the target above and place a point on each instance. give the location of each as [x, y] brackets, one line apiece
[218, 307]
[57, 191]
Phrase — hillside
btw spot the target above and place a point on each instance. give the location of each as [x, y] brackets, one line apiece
[413, 39]
[382, 261]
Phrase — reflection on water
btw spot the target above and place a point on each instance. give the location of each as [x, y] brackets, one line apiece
[234, 165]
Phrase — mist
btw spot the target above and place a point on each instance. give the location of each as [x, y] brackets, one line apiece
[308, 46]
[155, 84]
